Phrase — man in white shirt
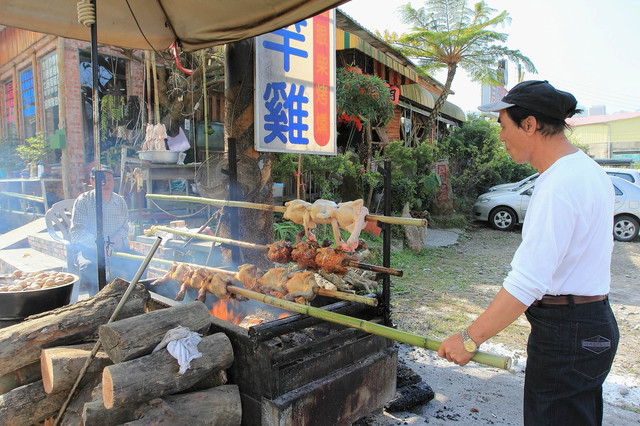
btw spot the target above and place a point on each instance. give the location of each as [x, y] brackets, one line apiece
[115, 226]
[560, 274]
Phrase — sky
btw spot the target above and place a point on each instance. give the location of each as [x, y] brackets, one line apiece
[586, 47]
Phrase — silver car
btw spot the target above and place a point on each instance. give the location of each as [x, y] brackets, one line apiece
[513, 185]
[504, 210]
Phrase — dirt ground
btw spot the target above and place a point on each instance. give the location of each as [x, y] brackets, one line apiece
[477, 394]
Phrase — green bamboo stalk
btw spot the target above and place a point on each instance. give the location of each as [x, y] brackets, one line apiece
[205, 237]
[368, 326]
[408, 221]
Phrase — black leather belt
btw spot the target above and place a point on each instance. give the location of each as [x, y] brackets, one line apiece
[568, 300]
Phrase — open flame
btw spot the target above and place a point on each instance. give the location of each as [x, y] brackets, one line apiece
[235, 312]
[224, 310]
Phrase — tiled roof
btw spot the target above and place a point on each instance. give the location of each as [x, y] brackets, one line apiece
[600, 119]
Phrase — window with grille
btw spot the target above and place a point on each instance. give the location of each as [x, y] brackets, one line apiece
[49, 70]
[9, 109]
[28, 103]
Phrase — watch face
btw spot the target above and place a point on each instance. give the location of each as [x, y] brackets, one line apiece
[470, 346]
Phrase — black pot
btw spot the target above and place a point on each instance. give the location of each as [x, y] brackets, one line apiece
[21, 304]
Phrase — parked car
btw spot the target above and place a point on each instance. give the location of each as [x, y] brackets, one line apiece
[505, 209]
[632, 175]
[626, 217]
[513, 185]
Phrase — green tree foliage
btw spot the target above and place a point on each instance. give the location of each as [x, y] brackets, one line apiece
[448, 34]
[362, 98]
[478, 159]
[412, 180]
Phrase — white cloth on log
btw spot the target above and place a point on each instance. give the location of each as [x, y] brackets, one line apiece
[182, 344]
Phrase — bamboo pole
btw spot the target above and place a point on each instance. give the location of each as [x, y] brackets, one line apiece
[407, 221]
[205, 237]
[352, 263]
[368, 326]
[370, 301]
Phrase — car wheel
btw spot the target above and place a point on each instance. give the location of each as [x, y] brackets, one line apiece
[503, 218]
[625, 228]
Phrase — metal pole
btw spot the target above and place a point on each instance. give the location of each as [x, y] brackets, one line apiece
[99, 175]
[386, 245]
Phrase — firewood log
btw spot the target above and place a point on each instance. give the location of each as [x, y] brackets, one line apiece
[29, 404]
[136, 336]
[219, 406]
[20, 344]
[215, 406]
[155, 375]
[94, 413]
[22, 376]
[73, 414]
[60, 366]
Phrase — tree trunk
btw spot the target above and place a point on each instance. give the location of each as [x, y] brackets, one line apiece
[137, 336]
[253, 225]
[61, 366]
[68, 325]
[73, 414]
[156, 375]
[433, 118]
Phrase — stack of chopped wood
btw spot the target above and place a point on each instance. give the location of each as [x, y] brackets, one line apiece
[125, 383]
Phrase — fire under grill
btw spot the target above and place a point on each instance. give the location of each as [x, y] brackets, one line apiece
[300, 370]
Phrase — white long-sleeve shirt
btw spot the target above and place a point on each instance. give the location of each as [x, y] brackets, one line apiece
[567, 237]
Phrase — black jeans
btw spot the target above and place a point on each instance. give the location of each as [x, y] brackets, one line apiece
[569, 354]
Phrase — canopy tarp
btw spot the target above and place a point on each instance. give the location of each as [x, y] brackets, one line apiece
[156, 24]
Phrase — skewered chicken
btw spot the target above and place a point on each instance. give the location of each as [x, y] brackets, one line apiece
[273, 279]
[298, 212]
[332, 261]
[301, 284]
[196, 280]
[351, 217]
[249, 275]
[279, 251]
[178, 272]
[304, 254]
[217, 286]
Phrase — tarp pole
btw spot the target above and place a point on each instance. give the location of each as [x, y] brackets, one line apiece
[99, 175]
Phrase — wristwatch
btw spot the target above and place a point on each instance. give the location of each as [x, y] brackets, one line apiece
[468, 342]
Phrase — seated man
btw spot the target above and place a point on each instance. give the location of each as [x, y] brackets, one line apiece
[115, 223]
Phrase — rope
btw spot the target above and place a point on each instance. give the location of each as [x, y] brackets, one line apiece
[86, 13]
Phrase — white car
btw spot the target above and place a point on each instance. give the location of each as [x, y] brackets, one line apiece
[505, 209]
[632, 175]
[513, 185]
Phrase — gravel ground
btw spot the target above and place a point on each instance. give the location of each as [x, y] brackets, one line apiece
[477, 394]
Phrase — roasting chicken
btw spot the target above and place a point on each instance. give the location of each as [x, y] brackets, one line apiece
[274, 279]
[279, 252]
[217, 286]
[351, 217]
[304, 254]
[333, 260]
[300, 285]
[297, 211]
[195, 280]
[249, 275]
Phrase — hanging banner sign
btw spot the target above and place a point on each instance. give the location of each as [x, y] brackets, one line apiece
[295, 101]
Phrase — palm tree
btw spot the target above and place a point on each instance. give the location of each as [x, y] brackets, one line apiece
[447, 33]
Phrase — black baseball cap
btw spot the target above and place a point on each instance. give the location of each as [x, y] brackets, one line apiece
[537, 96]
